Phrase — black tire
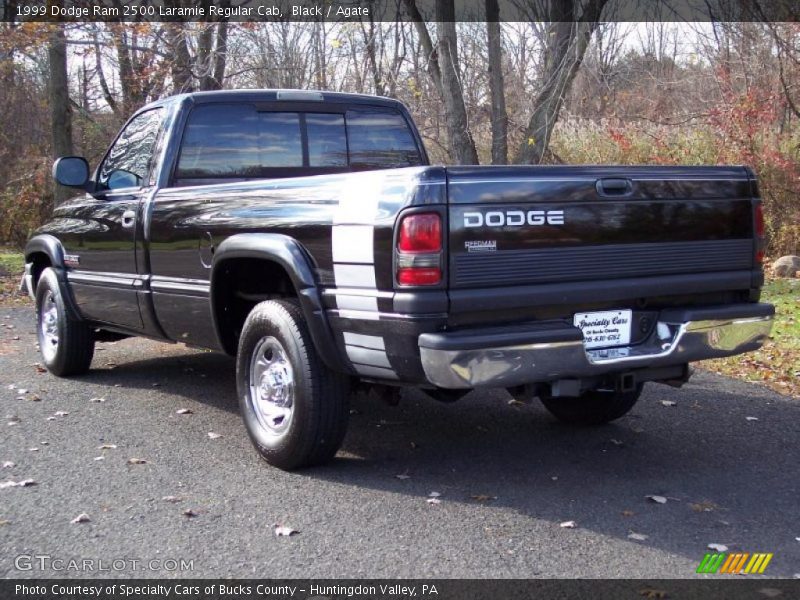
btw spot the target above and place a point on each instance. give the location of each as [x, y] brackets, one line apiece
[66, 343]
[275, 347]
[592, 408]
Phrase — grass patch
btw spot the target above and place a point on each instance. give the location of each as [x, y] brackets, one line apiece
[11, 262]
[777, 364]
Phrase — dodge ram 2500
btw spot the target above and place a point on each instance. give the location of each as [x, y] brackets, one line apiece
[305, 233]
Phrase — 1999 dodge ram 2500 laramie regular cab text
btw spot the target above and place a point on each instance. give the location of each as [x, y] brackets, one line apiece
[305, 233]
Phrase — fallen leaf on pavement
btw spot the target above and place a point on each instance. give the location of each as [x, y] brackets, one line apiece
[657, 499]
[23, 483]
[653, 593]
[704, 506]
[81, 518]
[718, 547]
[639, 537]
[483, 498]
[283, 530]
[568, 524]
[213, 435]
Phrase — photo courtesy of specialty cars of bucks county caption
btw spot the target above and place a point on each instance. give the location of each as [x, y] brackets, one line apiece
[306, 234]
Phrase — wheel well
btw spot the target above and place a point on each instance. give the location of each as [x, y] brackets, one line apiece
[40, 262]
[240, 284]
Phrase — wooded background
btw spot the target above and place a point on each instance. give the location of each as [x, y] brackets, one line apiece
[561, 91]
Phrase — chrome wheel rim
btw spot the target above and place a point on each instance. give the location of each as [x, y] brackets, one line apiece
[272, 386]
[48, 327]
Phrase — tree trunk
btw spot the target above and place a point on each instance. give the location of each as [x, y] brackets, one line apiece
[496, 84]
[462, 146]
[60, 108]
[565, 46]
[180, 68]
[221, 54]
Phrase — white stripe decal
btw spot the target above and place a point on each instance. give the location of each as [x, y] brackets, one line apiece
[377, 372]
[358, 199]
[354, 275]
[367, 341]
[369, 303]
[352, 244]
[359, 315]
[365, 356]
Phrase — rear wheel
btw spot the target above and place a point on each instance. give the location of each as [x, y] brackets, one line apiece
[294, 407]
[592, 408]
[66, 343]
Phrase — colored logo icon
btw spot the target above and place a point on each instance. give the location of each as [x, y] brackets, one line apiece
[734, 563]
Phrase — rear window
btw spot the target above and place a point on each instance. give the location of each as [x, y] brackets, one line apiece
[380, 140]
[238, 141]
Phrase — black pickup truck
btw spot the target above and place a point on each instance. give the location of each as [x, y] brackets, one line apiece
[305, 233]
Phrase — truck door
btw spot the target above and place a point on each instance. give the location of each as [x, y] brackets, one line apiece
[101, 249]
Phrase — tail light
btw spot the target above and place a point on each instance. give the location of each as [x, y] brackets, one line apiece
[758, 226]
[419, 250]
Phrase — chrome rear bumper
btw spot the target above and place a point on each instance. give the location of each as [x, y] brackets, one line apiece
[501, 357]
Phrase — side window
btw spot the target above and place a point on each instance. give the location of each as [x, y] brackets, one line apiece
[379, 139]
[236, 141]
[129, 160]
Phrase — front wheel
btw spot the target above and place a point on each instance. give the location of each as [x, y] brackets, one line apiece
[592, 408]
[294, 407]
[65, 342]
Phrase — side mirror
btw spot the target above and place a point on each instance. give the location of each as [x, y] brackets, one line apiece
[71, 171]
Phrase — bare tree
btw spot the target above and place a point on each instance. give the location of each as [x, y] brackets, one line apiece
[60, 106]
[443, 69]
[497, 84]
[564, 47]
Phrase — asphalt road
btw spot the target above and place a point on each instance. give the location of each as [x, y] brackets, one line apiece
[507, 475]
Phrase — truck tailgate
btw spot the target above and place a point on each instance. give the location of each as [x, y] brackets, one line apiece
[512, 226]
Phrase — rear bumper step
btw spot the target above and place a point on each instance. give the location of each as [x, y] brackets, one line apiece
[510, 356]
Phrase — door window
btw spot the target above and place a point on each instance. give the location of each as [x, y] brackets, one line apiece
[129, 160]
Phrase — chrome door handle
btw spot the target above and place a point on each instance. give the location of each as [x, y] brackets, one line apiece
[128, 218]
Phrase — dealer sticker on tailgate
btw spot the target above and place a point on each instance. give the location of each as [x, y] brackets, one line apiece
[604, 329]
